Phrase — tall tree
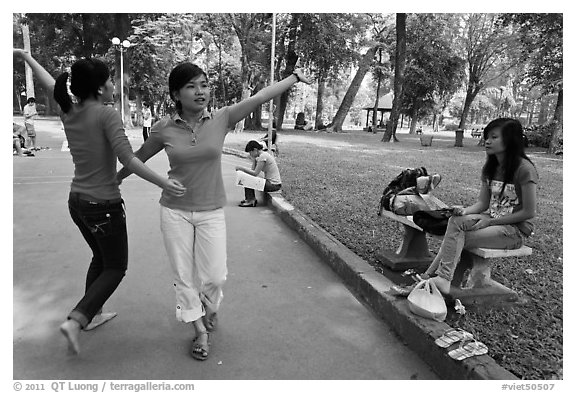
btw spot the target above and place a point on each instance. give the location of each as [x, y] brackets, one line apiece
[542, 42]
[434, 71]
[399, 67]
[253, 32]
[329, 45]
[380, 30]
[490, 52]
[287, 53]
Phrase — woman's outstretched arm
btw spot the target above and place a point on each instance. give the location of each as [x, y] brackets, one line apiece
[242, 109]
[44, 77]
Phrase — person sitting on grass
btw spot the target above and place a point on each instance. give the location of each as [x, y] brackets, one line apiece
[501, 218]
[18, 141]
[262, 161]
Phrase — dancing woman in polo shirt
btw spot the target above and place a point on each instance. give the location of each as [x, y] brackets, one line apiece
[193, 226]
[96, 139]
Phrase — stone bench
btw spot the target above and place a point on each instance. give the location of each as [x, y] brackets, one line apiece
[413, 250]
[477, 288]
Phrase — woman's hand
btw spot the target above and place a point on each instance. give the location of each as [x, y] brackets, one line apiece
[457, 211]
[174, 188]
[18, 51]
[239, 168]
[301, 76]
[483, 222]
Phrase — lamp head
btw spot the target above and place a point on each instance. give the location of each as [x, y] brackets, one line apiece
[116, 41]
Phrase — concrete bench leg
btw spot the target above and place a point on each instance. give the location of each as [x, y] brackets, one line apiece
[478, 287]
[412, 253]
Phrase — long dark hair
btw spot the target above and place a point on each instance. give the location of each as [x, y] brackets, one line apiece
[179, 76]
[87, 75]
[513, 141]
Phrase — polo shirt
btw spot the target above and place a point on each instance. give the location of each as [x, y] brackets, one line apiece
[195, 159]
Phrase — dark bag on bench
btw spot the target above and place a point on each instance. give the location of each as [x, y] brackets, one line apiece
[406, 179]
[433, 221]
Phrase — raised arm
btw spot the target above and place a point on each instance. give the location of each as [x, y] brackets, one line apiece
[242, 109]
[45, 79]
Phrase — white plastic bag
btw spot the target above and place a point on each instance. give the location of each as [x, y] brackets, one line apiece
[427, 301]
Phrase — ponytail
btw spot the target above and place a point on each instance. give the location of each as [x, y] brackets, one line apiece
[61, 93]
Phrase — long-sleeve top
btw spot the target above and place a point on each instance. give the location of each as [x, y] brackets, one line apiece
[96, 139]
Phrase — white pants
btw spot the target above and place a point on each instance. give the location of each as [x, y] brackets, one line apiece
[196, 247]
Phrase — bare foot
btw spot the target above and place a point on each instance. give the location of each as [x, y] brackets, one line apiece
[442, 284]
[71, 329]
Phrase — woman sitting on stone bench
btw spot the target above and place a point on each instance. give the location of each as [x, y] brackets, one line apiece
[501, 217]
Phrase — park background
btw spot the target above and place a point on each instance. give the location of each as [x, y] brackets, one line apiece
[476, 67]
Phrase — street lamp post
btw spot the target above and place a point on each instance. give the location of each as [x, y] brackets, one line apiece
[121, 47]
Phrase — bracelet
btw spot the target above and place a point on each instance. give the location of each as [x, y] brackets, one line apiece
[296, 75]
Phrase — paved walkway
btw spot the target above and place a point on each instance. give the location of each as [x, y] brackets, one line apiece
[286, 315]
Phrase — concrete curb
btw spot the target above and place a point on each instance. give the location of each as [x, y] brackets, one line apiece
[371, 288]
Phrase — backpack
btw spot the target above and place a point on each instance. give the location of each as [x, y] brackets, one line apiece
[406, 179]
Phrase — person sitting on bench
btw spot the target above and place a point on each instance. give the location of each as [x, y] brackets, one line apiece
[262, 161]
[508, 193]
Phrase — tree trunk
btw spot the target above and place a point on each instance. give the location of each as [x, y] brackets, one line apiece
[557, 133]
[319, 104]
[348, 100]
[471, 93]
[414, 116]
[390, 134]
[291, 58]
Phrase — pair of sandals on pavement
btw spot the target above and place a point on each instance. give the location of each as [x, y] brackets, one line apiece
[199, 350]
[468, 345]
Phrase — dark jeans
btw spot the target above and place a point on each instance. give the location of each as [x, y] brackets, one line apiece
[145, 132]
[250, 194]
[103, 225]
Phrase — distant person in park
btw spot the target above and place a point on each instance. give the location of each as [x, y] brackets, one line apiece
[301, 124]
[147, 121]
[18, 133]
[96, 139]
[193, 227]
[501, 218]
[30, 115]
[261, 162]
[274, 146]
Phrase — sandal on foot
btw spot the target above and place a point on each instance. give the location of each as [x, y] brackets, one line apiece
[452, 336]
[100, 319]
[199, 351]
[471, 348]
[249, 203]
[210, 321]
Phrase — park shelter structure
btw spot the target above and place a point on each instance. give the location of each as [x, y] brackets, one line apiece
[384, 106]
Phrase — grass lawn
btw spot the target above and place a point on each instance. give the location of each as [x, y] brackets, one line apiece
[337, 180]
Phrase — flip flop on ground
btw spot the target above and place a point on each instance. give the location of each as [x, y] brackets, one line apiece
[471, 348]
[452, 336]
